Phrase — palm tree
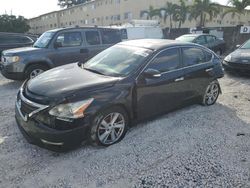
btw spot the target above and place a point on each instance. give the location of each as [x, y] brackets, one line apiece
[238, 7]
[201, 8]
[168, 11]
[151, 12]
[180, 14]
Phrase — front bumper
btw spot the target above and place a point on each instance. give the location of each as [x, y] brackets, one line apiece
[8, 71]
[243, 67]
[44, 136]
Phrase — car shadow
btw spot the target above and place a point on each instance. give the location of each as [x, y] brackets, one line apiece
[171, 121]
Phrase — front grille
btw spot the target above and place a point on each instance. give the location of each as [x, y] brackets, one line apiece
[26, 108]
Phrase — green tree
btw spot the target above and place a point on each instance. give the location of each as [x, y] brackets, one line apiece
[169, 11]
[180, 13]
[201, 8]
[238, 8]
[10, 23]
[70, 3]
[151, 12]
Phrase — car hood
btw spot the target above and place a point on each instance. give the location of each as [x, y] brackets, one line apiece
[241, 54]
[66, 80]
[21, 51]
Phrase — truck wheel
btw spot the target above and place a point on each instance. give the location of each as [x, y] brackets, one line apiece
[34, 70]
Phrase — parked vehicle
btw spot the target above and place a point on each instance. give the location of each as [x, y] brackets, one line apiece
[55, 48]
[210, 41]
[141, 29]
[130, 81]
[14, 40]
[239, 60]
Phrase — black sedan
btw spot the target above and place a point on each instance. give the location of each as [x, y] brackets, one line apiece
[210, 41]
[130, 81]
[239, 60]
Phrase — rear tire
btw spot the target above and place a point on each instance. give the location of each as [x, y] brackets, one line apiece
[211, 93]
[109, 126]
[34, 70]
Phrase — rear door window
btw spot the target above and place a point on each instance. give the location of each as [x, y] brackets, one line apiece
[69, 39]
[25, 40]
[167, 60]
[110, 36]
[14, 39]
[210, 39]
[201, 40]
[93, 37]
[194, 56]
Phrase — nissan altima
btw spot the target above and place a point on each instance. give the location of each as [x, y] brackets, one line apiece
[130, 81]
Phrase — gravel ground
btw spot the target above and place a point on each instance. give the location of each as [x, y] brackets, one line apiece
[193, 147]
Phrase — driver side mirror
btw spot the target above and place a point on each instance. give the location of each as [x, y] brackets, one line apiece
[152, 73]
[57, 45]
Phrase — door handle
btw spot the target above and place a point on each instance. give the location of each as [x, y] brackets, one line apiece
[209, 70]
[179, 79]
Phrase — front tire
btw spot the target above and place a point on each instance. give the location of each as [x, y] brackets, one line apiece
[34, 70]
[211, 93]
[109, 126]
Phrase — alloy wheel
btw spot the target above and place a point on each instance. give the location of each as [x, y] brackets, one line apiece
[212, 94]
[111, 128]
[35, 73]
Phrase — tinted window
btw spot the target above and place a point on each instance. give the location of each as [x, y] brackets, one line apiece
[193, 56]
[70, 39]
[246, 45]
[92, 37]
[208, 56]
[14, 40]
[201, 40]
[110, 37]
[167, 60]
[210, 39]
[25, 40]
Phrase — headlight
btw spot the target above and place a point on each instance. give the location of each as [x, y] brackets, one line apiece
[228, 58]
[71, 110]
[12, 59]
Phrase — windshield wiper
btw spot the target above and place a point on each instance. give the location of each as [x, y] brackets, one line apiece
[93, 70]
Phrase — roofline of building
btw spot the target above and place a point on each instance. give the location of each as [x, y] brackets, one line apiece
[91, 1]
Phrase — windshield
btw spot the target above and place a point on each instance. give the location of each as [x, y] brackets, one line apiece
[186, 38]
[44, 40]
[118, 60]
[246, 45]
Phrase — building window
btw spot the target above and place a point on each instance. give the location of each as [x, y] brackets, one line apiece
[128, 16]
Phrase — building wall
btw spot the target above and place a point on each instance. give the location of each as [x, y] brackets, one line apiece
[108, 12]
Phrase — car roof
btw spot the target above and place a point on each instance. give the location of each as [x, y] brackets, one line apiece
[195, 35]
[155, 44]
[75, 28]
[13, 34]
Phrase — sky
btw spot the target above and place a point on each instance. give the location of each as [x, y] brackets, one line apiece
[33, 8]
